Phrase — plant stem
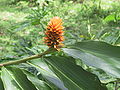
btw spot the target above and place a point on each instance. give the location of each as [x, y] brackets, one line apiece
[28, 58]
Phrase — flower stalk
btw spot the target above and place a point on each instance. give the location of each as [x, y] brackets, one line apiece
[50, 50]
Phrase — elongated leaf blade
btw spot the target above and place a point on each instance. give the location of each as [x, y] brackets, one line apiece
[39, 84]
[1, 85]
[73, 76]
[15, 79]
[48, 75]
[97, 54]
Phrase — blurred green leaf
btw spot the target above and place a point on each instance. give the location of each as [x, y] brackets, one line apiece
[73, 76]
[15, 79]
[97, 54]
[111, 17]
[1, 85]
[22, 26]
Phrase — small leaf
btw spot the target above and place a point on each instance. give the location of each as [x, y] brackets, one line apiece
[110, 18]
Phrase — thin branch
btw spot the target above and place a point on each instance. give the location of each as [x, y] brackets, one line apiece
[28, 58]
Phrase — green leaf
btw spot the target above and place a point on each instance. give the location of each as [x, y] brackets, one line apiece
[1, 85]
[111, 17]
[73, 76]
[47, 74]
[15, 79]
[40, 85]
[97, 54]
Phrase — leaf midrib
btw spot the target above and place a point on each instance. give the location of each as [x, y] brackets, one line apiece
[65, 75]
[14, 79]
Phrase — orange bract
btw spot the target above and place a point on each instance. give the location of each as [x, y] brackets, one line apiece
[54, 33]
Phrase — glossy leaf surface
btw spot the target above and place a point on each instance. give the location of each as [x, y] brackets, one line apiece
[97, 54]
[73, 76]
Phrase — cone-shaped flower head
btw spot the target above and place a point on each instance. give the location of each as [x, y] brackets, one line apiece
[54, 33]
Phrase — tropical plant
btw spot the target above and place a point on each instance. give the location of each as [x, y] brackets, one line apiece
[67, 68]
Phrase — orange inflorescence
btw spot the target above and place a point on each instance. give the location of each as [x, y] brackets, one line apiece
[54, 33]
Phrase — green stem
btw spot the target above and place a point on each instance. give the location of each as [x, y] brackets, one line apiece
[28, 58]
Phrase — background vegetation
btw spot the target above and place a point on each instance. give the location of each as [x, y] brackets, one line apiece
[23, 22]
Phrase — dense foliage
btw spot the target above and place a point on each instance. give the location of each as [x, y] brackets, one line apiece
[89, 59]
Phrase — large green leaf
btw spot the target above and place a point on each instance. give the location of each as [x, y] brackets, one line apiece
[98, 54]
[73, 76]
[47, 74]
[15, 79]
[40, 85]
